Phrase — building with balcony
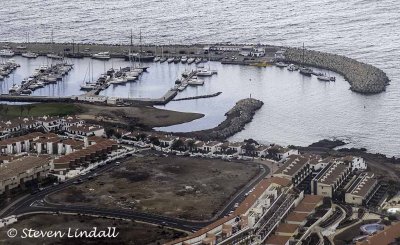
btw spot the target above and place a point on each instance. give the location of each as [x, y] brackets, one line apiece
[15, 173]
[296, 168]
[330, 178]
[361, 188]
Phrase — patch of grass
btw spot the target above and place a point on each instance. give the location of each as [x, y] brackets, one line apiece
[41, 109]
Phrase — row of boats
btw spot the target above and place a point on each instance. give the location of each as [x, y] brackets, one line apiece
[306, 71]
[192, 78]
[41, 77]
[183, 60]
[115, 77]
[7, 68]
[30, 55]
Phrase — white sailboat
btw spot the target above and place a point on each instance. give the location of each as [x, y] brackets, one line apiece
[30, 55]
[90, 84]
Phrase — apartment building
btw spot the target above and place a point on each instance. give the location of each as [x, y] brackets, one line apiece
[296, 168]
[84, 156]
[361, 188]
[329, 179]
[15, 173]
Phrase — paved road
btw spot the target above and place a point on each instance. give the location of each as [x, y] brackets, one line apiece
[36, 203]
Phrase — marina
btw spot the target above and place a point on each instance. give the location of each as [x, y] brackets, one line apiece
[156, 87]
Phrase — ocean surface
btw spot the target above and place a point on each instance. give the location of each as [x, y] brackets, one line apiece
[297, 110]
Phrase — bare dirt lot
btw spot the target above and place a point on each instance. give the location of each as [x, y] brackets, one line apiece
[141, 115]
[181, 187]
[130, 232]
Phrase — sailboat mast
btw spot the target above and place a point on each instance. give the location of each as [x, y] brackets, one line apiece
[140, 42]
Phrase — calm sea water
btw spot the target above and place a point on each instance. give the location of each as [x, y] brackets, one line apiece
[297, 110]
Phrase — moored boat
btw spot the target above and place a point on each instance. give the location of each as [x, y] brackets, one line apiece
[292, 67]
[280, 64]
[184, 59]
[190, 60]
[30, 55]
[177, 60]
[102, 56]
[6, 53]
[54, 56]
[306, 71]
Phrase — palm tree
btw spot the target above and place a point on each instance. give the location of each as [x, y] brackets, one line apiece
[249, 148]
[29, 108]
[21, 108]
[142, 136]
[154, 140]
[191, 145]
[177, 145]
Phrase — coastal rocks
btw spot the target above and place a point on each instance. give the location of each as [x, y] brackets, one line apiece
[326, 143]
[363, 78]
[236, 118]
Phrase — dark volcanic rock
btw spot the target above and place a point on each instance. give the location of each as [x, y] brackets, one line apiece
[325, 143]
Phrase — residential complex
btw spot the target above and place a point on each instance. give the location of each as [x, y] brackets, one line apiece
[15, 173]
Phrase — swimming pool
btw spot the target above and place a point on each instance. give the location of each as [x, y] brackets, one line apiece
[371, 228]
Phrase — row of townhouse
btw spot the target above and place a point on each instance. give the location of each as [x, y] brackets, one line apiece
[8, 127]
[231, 148]
[70, 124]
[361, 188]
[97, 149]
[296, 168]
[17, 172]
[39, 143]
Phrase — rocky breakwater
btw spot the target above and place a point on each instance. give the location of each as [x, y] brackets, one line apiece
[236, 118]
[363, 78]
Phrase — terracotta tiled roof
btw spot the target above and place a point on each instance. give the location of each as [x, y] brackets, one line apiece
[277, 240]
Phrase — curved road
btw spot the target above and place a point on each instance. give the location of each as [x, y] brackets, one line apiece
[35, 204]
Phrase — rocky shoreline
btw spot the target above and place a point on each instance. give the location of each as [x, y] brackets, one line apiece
[236, 118]
[363, 78]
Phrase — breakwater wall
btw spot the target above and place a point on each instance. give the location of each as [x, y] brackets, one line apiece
[199, 97]
[236, 118]
[363, 78]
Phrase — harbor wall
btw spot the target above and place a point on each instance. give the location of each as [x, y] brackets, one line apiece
[363, 78]
[236, 118]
